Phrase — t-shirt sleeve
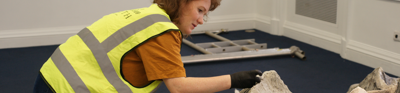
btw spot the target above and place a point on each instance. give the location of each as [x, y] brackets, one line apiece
[161, 56]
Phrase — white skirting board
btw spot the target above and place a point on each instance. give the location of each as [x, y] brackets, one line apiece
[373, 57]
[36, 37]
[323, 39]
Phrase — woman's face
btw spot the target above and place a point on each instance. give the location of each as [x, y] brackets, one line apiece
[192, 15]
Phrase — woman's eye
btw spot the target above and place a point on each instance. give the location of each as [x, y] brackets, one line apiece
[200, 10]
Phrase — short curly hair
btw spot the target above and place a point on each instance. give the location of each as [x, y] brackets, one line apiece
[172, 7]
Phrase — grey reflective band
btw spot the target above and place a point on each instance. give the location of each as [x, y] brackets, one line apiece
[129, 30]
[68, 72]
[155, 89]
[104, 62]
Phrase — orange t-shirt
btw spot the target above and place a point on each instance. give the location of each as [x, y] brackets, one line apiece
[158, 58]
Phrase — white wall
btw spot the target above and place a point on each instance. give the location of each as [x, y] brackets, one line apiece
[26, 23]
[231, 14]
[363, 32]
[264, 7]
[264, 12]
[374, 22]
[371, 27]
[234, 7]
[28, 14]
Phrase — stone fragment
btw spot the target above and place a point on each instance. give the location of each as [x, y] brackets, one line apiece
[377, 82]
[270, 83]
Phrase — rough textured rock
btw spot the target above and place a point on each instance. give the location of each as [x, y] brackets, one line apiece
[398, 87]
[270, 83]
[377, 82]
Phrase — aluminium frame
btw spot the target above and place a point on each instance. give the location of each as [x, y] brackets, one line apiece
[236, 49]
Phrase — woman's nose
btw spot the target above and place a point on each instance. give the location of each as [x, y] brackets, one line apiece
[200, 20]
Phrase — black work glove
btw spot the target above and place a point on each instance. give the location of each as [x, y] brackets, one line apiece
[245, 79]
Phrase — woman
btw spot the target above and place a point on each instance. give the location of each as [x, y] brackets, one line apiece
[134, 51]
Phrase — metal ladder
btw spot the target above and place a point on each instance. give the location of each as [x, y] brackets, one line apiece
[236, 49]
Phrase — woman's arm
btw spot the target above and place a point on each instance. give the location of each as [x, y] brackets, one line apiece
[198, 85]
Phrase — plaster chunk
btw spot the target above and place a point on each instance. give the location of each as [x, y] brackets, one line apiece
[270, 83]
[376, 82]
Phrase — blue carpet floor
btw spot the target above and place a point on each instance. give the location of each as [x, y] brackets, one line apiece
[322, 72]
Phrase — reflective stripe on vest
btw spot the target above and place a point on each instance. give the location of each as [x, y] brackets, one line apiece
[90, 61]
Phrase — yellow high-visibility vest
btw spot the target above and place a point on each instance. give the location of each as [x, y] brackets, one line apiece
[91, 60]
